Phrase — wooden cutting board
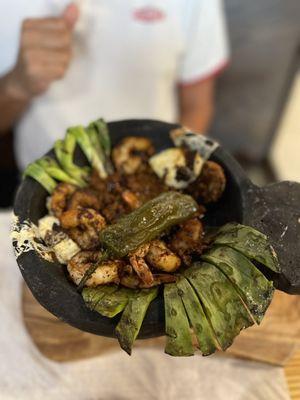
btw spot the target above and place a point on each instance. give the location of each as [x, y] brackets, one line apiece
[275, 341]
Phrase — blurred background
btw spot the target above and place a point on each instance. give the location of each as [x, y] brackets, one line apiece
[258, 96]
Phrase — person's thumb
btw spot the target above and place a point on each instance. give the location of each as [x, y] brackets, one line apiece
[71, 15]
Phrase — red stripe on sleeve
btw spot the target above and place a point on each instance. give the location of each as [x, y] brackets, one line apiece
[212, 74]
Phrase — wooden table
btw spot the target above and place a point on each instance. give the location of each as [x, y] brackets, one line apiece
[292, 373]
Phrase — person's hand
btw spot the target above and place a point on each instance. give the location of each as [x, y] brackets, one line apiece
[45, 53]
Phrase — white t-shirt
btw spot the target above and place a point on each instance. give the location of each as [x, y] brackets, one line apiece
[129, 57]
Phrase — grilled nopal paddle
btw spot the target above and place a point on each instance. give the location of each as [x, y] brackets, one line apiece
[250, 242]
[179, 341]
[252, 285]
[222, 305]
[112, 304]
[92, 296]
[133, 316]
[202, 329]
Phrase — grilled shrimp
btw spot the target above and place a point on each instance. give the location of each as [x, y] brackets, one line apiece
[131, 152]
[211, 183]
[140, 266]
[84, 225]
[107, 272]
[83, 198]
[188, 239]
[130, 279]
[162, 258]
[157, 254]
[60, 197]
[131, 199]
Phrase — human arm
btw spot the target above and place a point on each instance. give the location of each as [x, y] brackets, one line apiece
[11, 105]
[204, 56]
[196, 104]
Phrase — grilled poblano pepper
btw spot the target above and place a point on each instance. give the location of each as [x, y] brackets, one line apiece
[178, 335]
[197, 317]
[133, 316]
[252, 243]
[222, 305]
[142, 225]
[253, 287]
[147, 222]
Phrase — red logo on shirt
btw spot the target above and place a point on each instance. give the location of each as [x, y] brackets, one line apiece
[149, 14]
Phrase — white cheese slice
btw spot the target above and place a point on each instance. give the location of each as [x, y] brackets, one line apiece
[65, 250]
[165, 165]
[63, 246]
[198, 164]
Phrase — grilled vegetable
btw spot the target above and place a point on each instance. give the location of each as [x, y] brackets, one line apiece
[54, 170]
[197, 318]
[222, 305]
[133, 316]
[147, 223]
[143, 225]
[104, 137]
[250, 242]
[95, 142]
[254, 288]
[99, 137]
[179, 341]
[91, 153]
[112, 304]
[92, 296]
[64, 151]
[35, 171]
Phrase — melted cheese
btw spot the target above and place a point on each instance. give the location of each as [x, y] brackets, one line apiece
[65, 250]
[46, 224]
[166, 164]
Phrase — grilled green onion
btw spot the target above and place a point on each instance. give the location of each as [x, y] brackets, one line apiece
[99, 136]
[38, 173]
[53, 169]
[94, 158]
[64, 151]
